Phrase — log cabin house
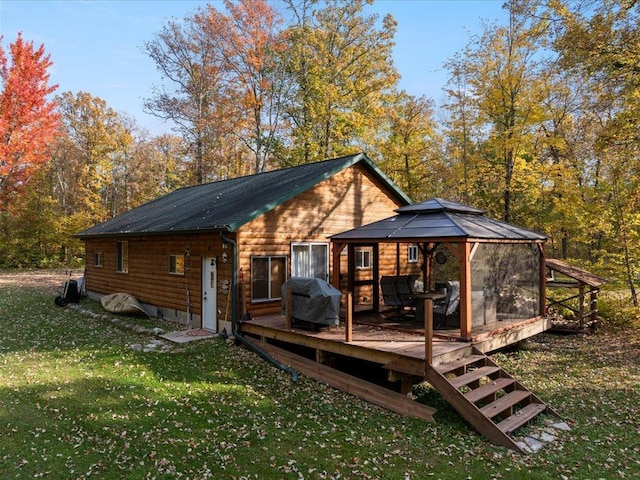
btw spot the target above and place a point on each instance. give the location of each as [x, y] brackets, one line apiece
[203, 255]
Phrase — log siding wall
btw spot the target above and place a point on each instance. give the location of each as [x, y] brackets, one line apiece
[347, 200]
[148, 277]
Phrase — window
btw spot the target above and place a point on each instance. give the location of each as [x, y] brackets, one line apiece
[363, 258]
[268, 274]
[413, 254]
[310, 260]
[176, 264]
[97, 259]
[122, 257]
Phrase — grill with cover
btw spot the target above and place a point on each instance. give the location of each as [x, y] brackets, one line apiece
[314, 300]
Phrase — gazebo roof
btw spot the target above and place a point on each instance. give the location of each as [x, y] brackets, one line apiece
[440, 220]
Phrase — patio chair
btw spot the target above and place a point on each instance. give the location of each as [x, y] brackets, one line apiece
[445, 312]
[396, 293]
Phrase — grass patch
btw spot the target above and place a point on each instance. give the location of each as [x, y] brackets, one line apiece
[76, 401]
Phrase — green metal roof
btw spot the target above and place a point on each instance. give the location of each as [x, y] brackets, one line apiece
[229, 204]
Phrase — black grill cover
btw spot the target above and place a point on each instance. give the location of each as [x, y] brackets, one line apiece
[314, 300]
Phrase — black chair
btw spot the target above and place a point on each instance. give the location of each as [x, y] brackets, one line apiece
[396, 293]
[445, 311]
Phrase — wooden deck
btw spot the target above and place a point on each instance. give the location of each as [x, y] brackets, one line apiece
[396, 345]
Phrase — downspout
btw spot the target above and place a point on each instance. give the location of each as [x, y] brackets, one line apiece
[234, 303]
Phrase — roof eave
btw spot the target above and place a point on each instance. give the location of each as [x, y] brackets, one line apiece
[216, 229]
[459, 239]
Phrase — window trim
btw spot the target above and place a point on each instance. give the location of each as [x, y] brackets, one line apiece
[98, 259]
[122, 256]
[175, 264]
[270, 293]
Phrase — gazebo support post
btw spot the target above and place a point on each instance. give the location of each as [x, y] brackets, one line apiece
[335, 277]
[428, 333]
[465, 290]
[543, 280]
[348, 324]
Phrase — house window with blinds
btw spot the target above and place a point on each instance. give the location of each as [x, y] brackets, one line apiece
[310, 260]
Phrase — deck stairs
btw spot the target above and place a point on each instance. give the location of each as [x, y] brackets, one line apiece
[490, 399]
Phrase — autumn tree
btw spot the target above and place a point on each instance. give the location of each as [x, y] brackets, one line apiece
[250, 42]
[225, 83]
[460, 128]
[599, 42]
[96, 159]
[28, 120]
[341, 64]
[505, 75]
[409, 150]
[168, 164]
[192, 96]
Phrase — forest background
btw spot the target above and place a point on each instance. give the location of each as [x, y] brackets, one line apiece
[540, 126]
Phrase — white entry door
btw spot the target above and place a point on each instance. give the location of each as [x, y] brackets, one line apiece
[209, 281]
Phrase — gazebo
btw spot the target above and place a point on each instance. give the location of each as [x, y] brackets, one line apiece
[499, 267]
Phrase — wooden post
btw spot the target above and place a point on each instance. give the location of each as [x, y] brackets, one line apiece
[593, 304]
[543, 280]
[335, 273]
[465, 291]
[288, 307]
[428, 333]
[581, 304]
[348, 326]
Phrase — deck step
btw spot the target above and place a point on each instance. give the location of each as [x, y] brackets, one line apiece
[505, 402]
[506, 397]
[521, 417]
[456, 364]
[474, 375]
[489, 389]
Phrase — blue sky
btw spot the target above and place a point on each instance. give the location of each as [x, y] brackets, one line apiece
[96, 46]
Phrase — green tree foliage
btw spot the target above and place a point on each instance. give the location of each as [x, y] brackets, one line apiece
[599, 43]
[340, 61]
[410, 148]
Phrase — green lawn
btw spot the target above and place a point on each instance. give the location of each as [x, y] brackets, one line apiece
[76, 401]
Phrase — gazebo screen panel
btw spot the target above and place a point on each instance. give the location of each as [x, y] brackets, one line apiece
[505, 282]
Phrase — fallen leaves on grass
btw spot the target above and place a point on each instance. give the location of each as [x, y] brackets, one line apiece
[78, 402]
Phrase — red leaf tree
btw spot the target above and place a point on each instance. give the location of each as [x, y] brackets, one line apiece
[28, 119]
